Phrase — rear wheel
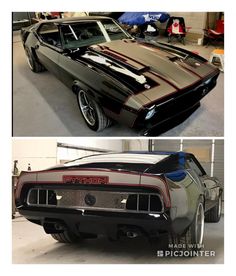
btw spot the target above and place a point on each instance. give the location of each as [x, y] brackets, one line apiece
[214, 214]
[92, 112]
[66, 237]
[34, 65]
[192, 239]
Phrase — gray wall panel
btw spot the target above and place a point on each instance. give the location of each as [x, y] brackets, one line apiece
[168, 145]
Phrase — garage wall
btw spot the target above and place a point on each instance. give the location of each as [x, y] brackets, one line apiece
[85, 147]
[108, 144]
[22, 15]
[219, 160]
[135, 144]
[44, 153]
[40, 153]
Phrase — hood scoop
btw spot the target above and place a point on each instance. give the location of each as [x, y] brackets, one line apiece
[127, 62]
[111, 65]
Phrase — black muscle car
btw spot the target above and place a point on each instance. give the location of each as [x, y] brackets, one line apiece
[161, 195]
[145, 85]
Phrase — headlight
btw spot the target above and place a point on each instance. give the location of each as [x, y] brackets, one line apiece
[150, 113]
[208, 81]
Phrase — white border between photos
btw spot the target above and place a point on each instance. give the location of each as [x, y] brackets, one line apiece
[5, 135]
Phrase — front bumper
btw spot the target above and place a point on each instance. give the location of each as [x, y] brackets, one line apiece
[159, 126]
[111, 224]
[175, 109]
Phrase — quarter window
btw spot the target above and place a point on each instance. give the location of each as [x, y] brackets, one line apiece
[192, 165]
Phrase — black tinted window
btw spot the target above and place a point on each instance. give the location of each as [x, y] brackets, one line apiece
[138, 167]
[194, 166]
[166, 165]
[49, 33]
[113, 30]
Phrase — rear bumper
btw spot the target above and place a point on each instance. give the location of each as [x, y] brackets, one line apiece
[111, 224]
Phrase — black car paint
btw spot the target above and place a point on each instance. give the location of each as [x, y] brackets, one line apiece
[110, 90]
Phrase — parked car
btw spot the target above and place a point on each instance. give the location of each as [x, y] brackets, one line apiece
[146, 85]
[161, 195]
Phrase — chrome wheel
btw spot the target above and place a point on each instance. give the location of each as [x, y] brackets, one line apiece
[86, 108]
[199, 224]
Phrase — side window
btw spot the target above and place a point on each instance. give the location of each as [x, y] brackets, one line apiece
[194, 166]
[49, 33]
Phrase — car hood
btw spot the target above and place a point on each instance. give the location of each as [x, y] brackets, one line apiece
[176, 65]
[151, 70]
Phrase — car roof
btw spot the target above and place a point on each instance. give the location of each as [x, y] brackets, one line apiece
[74, 19]
[126, 157]
[120, 158]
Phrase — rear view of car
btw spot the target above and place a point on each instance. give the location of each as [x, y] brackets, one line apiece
[117, 195]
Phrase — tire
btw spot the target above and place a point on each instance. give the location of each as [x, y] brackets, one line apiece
[214, 214]
[92, 112]
[192, 239]
[66, 237]
[34, 65]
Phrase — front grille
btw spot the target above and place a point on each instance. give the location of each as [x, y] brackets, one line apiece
[96, 200]
[185, 98]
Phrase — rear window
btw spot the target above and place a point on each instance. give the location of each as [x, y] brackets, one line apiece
[139, 167]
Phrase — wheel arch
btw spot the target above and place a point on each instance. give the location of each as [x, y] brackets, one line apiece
[202, 198]
[78, 85]
[32, 50]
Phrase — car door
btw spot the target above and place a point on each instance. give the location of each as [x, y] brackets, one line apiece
[49, 47]
[210, 185]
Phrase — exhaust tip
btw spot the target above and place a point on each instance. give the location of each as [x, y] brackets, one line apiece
[132, 235]
[59, 227]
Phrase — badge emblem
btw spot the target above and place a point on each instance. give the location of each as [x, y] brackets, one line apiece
[90, 200]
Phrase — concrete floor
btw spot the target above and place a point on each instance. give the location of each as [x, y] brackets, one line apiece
[43, 106]
[31, 245]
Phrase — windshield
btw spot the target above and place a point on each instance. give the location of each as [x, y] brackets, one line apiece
[86, 33]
